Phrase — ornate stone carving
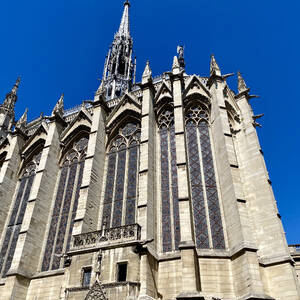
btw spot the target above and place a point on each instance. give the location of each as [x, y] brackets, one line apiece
[116, 234]
[96, 292]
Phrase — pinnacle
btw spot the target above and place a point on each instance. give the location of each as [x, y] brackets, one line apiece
[175, 63]
[241, 83]
[214, 68]
[147, 71]
[16, 86]
[59, 107]
[23, 120]
[124, 25]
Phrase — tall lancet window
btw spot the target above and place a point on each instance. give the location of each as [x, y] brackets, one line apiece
[208, 226]
[65, 205]
[18, 210]
[169, 184]
[119, 207]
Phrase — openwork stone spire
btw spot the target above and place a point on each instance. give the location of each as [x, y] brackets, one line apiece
[119, 65]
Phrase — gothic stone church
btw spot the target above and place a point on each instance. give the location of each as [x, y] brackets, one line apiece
[153, 190]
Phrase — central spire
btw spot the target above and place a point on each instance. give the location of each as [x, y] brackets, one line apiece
[124, 26]
[119, 66]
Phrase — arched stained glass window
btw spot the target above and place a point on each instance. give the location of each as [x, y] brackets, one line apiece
[205, 199]
[65, 205]
[17, 215]
[119, 207]
[169, 184]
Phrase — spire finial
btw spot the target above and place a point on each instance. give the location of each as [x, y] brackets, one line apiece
[124, 25]
[214, 68]
[16, 86]
[59, 107]
[241, 83]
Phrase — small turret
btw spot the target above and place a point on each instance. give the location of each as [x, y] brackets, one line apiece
[7, 110]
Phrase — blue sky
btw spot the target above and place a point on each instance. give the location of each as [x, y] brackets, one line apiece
[59, 46]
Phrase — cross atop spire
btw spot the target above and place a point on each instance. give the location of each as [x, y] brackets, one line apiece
[124, 26]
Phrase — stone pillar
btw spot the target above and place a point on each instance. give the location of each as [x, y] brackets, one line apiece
[9, 174]
[190, 269]
[146, 200]
[29, 245]
[87, 216]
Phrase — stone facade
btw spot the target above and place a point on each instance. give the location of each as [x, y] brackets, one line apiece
[159, 193]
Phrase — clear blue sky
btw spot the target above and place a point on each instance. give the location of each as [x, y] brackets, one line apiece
[60, 46]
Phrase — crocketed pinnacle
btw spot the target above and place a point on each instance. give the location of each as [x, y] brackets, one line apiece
[59, 107]
[11, 97]
[214, 68]
[23, 120]
[147, 71]
[124, 26]
[16, 86]
[241, 83]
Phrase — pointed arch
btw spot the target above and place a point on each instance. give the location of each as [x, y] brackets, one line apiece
[195, 86]
[128, 106]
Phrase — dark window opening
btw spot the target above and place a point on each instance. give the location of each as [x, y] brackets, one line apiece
[122, 272]
[86, 276]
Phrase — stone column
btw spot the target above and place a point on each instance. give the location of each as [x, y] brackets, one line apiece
[29, 245]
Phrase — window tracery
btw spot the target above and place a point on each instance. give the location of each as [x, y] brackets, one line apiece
[203, 186]
[65, 205]
[122, 163]
[169, 182]
[16, 218]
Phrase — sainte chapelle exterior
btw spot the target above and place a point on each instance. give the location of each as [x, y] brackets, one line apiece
[155, 189]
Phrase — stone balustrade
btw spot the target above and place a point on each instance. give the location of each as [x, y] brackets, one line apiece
[295, 249]
[107, 236]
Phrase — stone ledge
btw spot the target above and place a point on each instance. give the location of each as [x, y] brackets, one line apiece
[49, 273]
[255, 297]
[190, 295]
[275, 260]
